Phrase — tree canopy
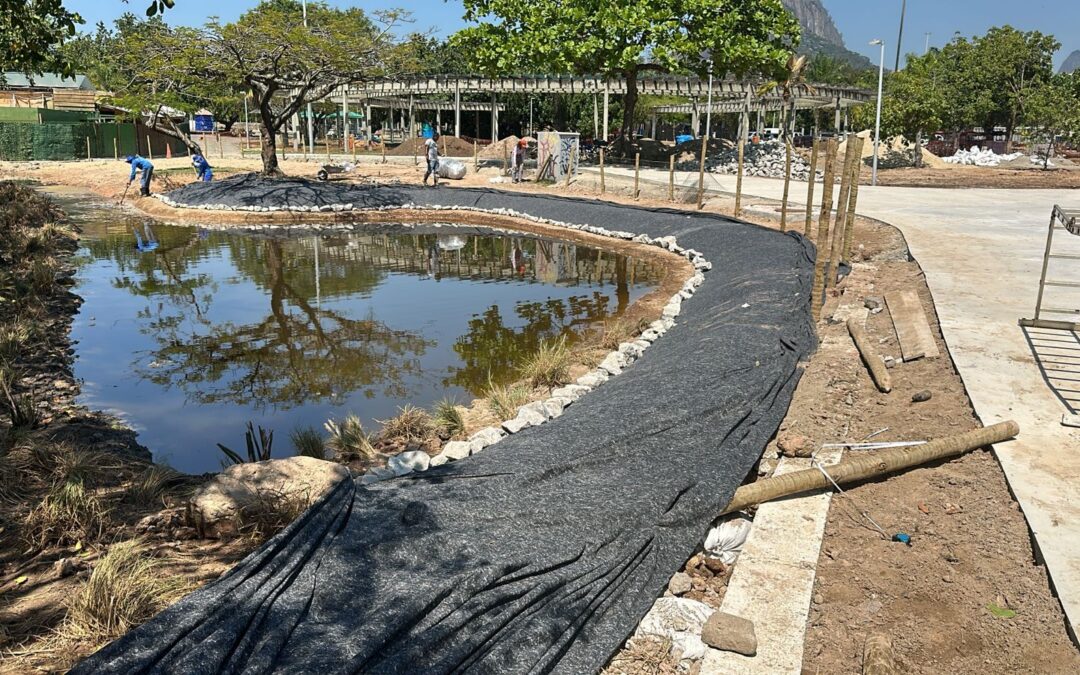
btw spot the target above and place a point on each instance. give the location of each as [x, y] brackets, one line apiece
[733, 37]
[30, 32]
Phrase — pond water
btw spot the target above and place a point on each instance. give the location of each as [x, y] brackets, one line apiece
[187, 333]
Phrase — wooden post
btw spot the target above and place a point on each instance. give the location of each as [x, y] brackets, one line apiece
[836, 245]
[327, 141]
[637, 174]
[506, 161]
[149, 149]
[382, 143]
[878, 372]
[570, 166]
[701, 174]
[849, 226]
[88, 147]
[220, 147]
[787, 181]
[603, 186]
[810, 187]
[738, 179]
[116, 145]
[822, 240]
[671, 178]
[354, 150]
[475, 156]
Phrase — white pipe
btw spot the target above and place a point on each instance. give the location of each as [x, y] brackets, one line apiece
[877, 123]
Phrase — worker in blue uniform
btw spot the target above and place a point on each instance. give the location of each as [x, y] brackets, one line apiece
[141, 164]
[202, 168]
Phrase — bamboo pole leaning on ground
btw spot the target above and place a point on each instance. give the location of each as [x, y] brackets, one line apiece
[851, 155]
[878, 658]
[822, 241]
[671, 178]
[637, 174]
[849, 226]
[810, 187]
[603, 186]
[870, 465]
[878, 372]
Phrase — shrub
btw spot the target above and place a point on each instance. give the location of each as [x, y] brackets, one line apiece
[410, 424]
[259, 447]
[151, 485]
[125, 589]
[308, 442]
[504, 400]
[550, 365]
[448, 416]
[348, 440]
[69, 513]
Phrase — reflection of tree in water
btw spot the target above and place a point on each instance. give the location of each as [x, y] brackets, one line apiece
[296, 354]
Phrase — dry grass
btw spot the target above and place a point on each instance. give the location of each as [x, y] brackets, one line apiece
[125, 589]
[308, 442]
[643, 656]
[13, 337]
[410, 424]
[504, 400]
[19, 408]
[270, 512]
[349, 440]
[449, 416]
[68, 514]
[152, 484]
[550, 365]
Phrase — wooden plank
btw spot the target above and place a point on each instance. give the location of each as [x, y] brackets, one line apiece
[912, 328]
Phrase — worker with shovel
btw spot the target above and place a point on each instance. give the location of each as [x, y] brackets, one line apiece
[141, 164]
[202, 168]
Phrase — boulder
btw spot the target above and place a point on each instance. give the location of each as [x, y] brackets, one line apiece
[455, 450]
[214, 509]
[730, 633]
[407, 462]
[485, 437]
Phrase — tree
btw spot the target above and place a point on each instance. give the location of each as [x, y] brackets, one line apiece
[626, 39]
[30, 32]
[1012, 65]
[1053, 112]
[914, 104]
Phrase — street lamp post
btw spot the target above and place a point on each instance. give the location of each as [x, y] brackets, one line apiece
[310, 128]
[877, 123]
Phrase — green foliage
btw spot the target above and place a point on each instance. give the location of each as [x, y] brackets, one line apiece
[69, 513]
[448, 416]
[1052, 112]
[259, 446]
[31, 31]
[549, 366]
[735, 37]
[504, 400]
[349, 440]
[308, 442]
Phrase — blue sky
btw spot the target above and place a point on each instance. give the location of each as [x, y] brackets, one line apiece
[859, 20]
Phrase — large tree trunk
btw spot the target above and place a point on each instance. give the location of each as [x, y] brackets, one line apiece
[269, 126]
[629, 104]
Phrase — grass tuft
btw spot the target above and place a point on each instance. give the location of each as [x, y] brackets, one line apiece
[308, 442]
[504, 400]
[150, 486]
[19, 408]
[550, 365]
[448, 416]
[125, 589]
[269, 512]
[12, 340]
[410, 424]
[69, 513]
[349, 440]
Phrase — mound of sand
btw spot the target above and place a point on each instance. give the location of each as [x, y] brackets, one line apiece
[499, 149]
[893, 147]
[449, 146]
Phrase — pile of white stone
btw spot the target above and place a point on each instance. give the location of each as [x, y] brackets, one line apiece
[977, 156]
[765, 160]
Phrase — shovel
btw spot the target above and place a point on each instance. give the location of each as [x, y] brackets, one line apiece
[123, 196]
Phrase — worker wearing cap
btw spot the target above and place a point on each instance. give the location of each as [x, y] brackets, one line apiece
[202, 168]
[141, 164]
[517, 159]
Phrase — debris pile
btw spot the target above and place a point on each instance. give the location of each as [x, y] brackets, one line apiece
[977, 156]
[765, 160]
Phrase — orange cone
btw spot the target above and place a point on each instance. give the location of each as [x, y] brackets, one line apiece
[168, 151]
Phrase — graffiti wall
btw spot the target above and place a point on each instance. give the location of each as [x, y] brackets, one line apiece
[564, 149]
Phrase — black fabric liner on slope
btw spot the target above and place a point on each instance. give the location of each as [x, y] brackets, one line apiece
[543, 552]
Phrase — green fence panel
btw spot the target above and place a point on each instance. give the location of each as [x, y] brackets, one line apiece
[16, 142]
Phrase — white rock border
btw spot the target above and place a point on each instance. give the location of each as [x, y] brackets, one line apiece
[530, 414]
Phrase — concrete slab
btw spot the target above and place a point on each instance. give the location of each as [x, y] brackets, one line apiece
[773, 580]
[981, 250]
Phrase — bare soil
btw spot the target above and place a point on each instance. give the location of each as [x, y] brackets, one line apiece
[940, 600]
[978, 177]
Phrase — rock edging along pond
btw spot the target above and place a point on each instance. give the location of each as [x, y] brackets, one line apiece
[543, 552]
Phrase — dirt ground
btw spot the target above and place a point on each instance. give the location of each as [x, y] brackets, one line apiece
[969, 595]
[978, 177]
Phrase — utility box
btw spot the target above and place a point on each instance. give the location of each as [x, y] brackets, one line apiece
[558, 152]
[203, 122]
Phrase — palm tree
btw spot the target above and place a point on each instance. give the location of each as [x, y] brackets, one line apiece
[793, 84]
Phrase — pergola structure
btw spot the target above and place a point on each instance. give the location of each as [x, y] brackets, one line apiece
[729, 95]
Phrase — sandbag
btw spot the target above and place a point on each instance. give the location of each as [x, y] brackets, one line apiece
[453, 169]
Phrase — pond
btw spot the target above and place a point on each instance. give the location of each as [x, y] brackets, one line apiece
[187, 333]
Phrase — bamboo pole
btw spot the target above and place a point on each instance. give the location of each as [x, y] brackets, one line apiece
[878, 372]
[149, 149]
[382, 144]
[878, 657]
[671, 178]
[637, 174]
[787, 181]
[570, 166]
[837, 243]
[701, 173]
[738, 180]
[822, 240]
[810, 187]
[116, 147]
[220, 147]
[849, 227]
[506, 161]
[88, 147]
[603, 186]
[863, 467]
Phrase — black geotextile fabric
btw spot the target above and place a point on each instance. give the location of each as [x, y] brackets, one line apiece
[543, 552]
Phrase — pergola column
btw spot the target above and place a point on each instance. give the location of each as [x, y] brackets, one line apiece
[605, 111]
[457, 109]
[494, 118]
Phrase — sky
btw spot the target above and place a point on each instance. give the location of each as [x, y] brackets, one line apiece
[858, 20]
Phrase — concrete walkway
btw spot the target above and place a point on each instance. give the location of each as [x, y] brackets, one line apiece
[982, 253]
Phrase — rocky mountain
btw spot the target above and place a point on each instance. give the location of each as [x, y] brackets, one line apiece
[820, 35]
[1072, 63]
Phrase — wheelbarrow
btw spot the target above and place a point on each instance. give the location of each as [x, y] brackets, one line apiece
[334, 171]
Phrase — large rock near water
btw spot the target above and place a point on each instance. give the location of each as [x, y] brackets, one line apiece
[214, 509]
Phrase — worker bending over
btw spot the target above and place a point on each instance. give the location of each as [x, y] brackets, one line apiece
[141, 164]
[202, 168]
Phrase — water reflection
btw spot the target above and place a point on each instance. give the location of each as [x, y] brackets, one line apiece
[214, 328]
